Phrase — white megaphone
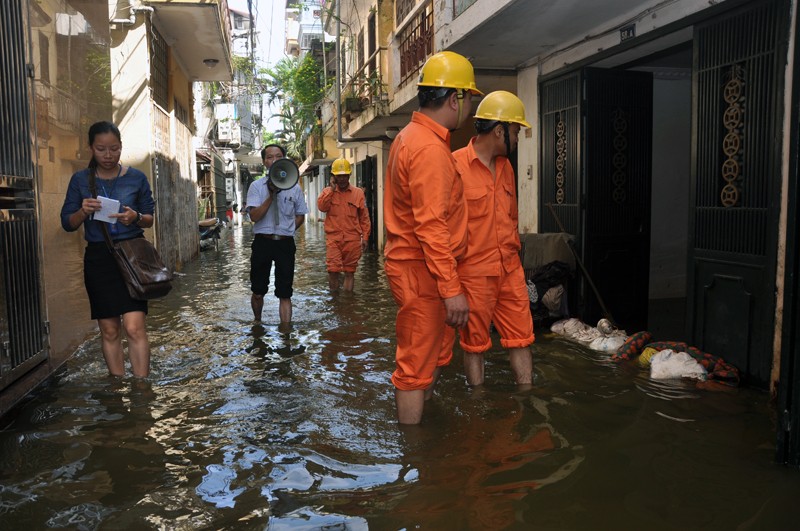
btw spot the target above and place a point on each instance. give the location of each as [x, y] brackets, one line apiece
[284, 174]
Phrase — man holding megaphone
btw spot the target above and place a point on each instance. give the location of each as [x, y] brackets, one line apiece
[277, 208]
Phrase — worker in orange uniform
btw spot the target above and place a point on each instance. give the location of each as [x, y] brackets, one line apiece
[347, 226]
[491, 272]
[426, 231]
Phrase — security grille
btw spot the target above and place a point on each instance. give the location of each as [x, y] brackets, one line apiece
[561, 141]
[22, 331]
[736, 189]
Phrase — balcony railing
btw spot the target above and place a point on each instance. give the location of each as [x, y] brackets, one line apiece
[58, 106]
[366, 86]
[416, 43]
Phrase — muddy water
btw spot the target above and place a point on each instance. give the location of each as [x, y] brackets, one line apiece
[244, 426]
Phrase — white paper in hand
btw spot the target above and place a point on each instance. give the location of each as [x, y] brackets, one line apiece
[108, 206]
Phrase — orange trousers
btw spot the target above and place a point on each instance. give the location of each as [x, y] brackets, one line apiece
[424, 341]
[501, 300]
[341, 256]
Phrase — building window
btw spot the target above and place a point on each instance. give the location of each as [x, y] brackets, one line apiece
[158, 70]
[416, 43]
[360, 50]
[181, 113]
[371, 44]
[403, 8]
[44, 58]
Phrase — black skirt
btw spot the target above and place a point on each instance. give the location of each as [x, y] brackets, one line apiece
[108, 296]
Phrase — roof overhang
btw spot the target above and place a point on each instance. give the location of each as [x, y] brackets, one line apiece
[198, 33]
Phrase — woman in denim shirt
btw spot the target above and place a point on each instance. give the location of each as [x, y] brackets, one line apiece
[110, 303]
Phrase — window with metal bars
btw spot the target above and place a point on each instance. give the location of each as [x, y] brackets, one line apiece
[158, 69]
[402, 9]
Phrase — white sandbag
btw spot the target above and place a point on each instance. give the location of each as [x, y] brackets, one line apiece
[669, 364]
[576, 330]
[574, 327]
[607, 343]
[587, 335]
[552, 298]
[558, 326]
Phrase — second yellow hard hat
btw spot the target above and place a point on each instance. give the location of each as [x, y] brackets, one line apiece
[502, 106]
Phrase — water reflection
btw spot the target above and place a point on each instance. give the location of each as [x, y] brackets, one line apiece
[258, 426]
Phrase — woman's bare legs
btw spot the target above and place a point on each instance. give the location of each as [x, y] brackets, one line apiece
[138, 344]
[112, 345]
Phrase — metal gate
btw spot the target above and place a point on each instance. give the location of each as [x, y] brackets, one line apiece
[367, 179]
[616, 183]
[596, 131]
[735, 201]
[23, 332]
[561, 152]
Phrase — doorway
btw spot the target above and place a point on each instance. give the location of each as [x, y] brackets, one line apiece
[670, 183]
[715, 178]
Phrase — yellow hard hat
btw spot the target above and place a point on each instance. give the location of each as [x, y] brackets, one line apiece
[502, 106]
[340, 167]
[448, 70]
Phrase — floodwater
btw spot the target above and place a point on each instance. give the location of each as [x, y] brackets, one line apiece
[243, 426]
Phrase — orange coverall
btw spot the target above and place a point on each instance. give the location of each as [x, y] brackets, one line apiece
[346, 225]
[426, 233]
[491, 272]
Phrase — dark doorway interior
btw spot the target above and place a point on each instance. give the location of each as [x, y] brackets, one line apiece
[670, 181]
[671, 177]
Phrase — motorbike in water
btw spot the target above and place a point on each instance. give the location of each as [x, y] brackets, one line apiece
[210, 229]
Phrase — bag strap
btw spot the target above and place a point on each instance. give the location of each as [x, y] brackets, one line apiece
[93, 191]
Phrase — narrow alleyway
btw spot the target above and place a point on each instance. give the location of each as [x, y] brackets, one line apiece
[245, 426]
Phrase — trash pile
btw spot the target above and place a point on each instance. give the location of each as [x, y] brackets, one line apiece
[664, 359]
[604, 338]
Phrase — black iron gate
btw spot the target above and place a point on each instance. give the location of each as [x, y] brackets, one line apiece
[561, 152]
[367, 179]
[735, 201]
[23, 331]
[617, 182]
[596, 152]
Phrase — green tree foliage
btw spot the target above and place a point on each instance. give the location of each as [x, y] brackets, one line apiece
[296, 86]
[270, 137]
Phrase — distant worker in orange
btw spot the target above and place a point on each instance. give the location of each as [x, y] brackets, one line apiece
[491, 272]
[426, 231]
[347, 226]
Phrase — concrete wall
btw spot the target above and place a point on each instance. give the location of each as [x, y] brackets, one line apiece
[73, 93]
[528, 153]
[149, 131]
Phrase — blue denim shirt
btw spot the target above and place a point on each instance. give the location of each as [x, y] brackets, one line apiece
[130, 189]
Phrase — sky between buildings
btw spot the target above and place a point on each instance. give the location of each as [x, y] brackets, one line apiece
[270, 39]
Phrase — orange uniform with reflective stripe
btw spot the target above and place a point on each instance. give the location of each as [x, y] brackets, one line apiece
[347, 218]
[491, 272]
[423, 206]
[426, 233]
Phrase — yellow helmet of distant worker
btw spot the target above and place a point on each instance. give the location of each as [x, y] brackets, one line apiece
[502, 106]
[448, 70]
[340, 167]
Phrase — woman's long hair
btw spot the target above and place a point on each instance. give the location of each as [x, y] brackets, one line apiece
[99, 128]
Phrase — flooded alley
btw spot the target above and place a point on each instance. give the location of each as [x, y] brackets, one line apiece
[245, 426]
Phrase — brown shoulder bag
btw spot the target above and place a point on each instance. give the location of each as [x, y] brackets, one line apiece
[139, 262]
